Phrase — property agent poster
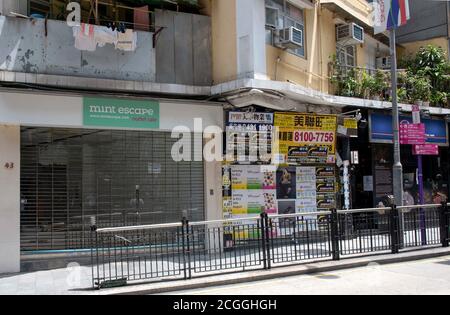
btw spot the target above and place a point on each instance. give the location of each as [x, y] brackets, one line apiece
[253, 190]
[249, 177]
[122, 113]
[246, 131]
[305, 138]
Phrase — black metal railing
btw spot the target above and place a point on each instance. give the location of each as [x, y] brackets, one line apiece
[190, 249]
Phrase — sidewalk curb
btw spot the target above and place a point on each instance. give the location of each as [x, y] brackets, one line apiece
[279, 272]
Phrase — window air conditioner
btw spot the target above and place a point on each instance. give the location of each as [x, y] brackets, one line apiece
[350, 34]
[290, 38]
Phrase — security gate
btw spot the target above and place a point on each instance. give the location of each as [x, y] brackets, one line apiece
[73, 177]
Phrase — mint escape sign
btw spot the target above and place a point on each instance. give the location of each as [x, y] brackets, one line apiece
[121, 113]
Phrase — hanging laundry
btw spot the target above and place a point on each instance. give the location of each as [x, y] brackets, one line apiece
[87, 37]
[127, 41]
[84, 37]
[104, 35]
[142, 19]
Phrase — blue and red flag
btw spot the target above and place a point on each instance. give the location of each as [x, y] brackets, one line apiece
[390, 14]
[399, 13]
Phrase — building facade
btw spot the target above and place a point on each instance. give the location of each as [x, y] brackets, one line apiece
[87, 114]
[431, 26]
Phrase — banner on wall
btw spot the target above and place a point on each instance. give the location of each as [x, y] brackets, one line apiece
[305, 139]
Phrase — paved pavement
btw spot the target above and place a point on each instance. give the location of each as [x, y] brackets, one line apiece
[68, 281]
[431, 276]
[420, 277]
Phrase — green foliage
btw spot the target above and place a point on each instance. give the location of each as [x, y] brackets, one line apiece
[427, 79]
[420, 88]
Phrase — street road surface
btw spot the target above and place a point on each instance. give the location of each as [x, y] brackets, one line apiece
[425, 277]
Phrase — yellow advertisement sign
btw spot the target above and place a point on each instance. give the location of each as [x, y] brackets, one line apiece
[350, 123]
[305, 138]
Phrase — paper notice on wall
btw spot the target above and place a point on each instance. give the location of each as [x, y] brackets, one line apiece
[368, 183]
[306, 190]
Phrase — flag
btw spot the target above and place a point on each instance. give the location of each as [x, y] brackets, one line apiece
[390, 14]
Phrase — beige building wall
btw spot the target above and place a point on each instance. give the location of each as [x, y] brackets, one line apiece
[224, 34]
[311, 71]
[10, 199]
[412, 48]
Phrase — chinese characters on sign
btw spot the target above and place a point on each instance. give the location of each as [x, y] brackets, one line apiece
[305, 139]
[412, 134]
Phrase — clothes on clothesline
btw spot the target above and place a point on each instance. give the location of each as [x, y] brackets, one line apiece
[88, 37]
[84, 37]
[126, 41]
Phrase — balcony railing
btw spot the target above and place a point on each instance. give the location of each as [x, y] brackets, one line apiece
[375, 84]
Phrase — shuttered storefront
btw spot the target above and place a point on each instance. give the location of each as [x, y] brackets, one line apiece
[71, 177]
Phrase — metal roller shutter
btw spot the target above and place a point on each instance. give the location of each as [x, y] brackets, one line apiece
[70, 176]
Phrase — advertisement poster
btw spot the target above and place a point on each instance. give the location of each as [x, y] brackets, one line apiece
[286, 183]
[246, 132]
[253, 190]
[306, 190]
[305, 138]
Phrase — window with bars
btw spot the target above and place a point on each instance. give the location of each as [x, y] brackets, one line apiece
[347, 56]
[71, 177]
[281, 14]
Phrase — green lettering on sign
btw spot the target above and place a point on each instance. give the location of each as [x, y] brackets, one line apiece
[122, 113]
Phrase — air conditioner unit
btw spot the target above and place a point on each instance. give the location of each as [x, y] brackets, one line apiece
[384, 63]
[289, 38]
[349, 34]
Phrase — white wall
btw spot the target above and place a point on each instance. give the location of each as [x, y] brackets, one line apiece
[251, 38]
[9, 199]
[67, 111]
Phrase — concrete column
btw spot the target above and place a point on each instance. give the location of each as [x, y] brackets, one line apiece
[9, 199]
[213, 204]
[17, 6]
[251, 39]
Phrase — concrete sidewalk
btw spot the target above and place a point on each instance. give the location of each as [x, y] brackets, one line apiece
[279, 272]
[76, 280]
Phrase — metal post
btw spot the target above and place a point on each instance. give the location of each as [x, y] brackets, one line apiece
[423, 227]
[263, 239]
[394, 229]
[186, 249]
[398, 167]
[445, 225]
[183, 245]
[268, 229]
[335, 235]
[94, 261]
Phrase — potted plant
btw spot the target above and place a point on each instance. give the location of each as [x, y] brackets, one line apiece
[368, 85]
[439, 98]
[350, 86]
[380, 85]
[420, 89]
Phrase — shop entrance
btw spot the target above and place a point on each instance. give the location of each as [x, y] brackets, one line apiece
[73, 177]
